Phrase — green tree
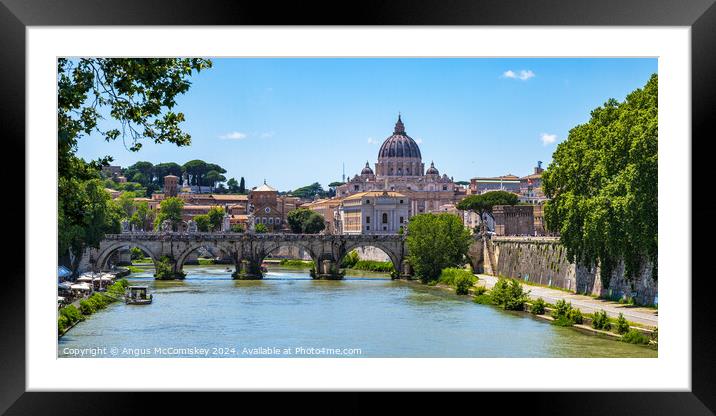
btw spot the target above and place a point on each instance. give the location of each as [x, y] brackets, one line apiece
[435, 242]
[216, 218]
[237, 228]
[260, 228]
[314, 224]
[138, 94]
[163, 169]
[483, 203]
[142, 216]
[125, 202]
[233, 186]
[203, 223]
[242, 186]
[213, 177]
[297, 218]
[169, 209]
[308, 192]
[196, 169]
[602, 185]
[85, 214]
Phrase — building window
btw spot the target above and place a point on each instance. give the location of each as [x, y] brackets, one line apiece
[367, 220]
[401, 220]
[385, 228]
[270, 220]
[401, 201]
[385, 218]
[444, 188]
[263, 220]
[277, 221]
[367, 227]
[367, 201]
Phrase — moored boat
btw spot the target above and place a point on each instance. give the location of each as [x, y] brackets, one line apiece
[137, 295]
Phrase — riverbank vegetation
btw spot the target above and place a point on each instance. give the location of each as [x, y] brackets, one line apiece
[436, 242]
[353, 261]
[70, 315]
[295, 263]
[165, 270]
[602, 186]
[462, 280]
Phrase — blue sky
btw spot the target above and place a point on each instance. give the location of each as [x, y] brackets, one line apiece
[297, 121]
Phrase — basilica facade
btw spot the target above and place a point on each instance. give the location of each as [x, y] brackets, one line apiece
[400, 168]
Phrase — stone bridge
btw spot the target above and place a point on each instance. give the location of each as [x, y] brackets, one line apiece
[248, 250]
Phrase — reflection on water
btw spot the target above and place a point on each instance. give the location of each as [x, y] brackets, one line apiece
[288, 313]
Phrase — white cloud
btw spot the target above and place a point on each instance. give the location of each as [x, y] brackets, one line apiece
[372, 141]
[548, 138]
[524, 74]
[234, 135]
[419, 141]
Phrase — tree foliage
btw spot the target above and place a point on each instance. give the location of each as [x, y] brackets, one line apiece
[138, 95]
[483, 203]
[309, 192]
[305, 221]
[169, 209]
[603, 185]
[436, 242]
[216, 218]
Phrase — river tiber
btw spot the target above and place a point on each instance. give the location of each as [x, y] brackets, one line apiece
[175, 257]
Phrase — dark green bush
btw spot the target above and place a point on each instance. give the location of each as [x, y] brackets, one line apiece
[374, 266]
[538, 307]
[622, 326]
[350, 259]
[508, 295]
[634, 336]
[480, 290]
[561, 309]
[565, 315]
[575, 315]
[601, 321]
[86, 307]
[461, 279]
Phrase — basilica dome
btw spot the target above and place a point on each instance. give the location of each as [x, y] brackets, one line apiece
[399, 155]
[366, 170]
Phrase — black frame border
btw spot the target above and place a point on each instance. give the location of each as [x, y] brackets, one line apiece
[699, 15]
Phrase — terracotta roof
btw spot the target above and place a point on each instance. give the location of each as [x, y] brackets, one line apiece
[219, 197]
[197, 207]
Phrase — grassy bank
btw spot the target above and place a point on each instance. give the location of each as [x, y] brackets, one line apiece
[508, 294]
[295, 263]
[373, 266]
[69, 316]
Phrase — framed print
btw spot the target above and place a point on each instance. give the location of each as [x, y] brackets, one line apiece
[412, 198]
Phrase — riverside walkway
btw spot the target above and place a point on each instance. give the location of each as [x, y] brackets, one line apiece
[587, 304]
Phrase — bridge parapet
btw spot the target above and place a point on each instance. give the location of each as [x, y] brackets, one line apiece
[250, 249]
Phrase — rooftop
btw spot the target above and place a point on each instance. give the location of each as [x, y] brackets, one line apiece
[374, 194]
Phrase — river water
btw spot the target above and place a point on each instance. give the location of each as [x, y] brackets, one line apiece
[288, 314]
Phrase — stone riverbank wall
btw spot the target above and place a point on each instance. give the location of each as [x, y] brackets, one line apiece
[543, 260]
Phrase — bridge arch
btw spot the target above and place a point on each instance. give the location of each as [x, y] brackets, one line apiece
[270, 247]
[227, 249]
[106, 253]
[395, 256]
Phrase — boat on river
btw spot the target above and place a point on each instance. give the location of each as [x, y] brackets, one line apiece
[137, 295]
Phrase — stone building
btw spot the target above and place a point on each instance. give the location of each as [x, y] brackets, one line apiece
[373, 212]
[328, 209]
[509, 183]
[267, 207]
[400, 168]
[531, 187]
[171, 185]
[514, 220]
